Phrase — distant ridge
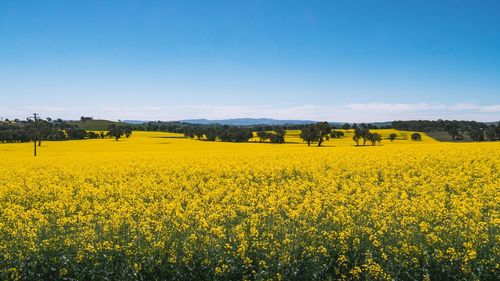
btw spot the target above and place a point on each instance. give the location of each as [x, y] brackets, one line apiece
[252, 122]
[247, 121]
[137, 122]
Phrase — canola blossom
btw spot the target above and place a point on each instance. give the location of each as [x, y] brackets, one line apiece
[161, 207]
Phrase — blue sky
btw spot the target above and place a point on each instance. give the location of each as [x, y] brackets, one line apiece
[321, 60]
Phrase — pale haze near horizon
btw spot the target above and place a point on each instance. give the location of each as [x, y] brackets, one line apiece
[318, 60]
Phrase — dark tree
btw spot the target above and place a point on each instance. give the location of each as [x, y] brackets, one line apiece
[416, 137]
[361, 132]
[83, 118]
[357, 136]
[493, 132]
[262, 135]
[453, 132]
[476, 134]
[393, 136]
[199, 132]
[308, 134]
[115, 132]
[211, 134]
[318, 132]
[365, 133]
[334, 134]
[323, 131]
[374, 138]
[278, 136]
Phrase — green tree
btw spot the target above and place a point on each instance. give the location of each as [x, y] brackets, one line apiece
[278, 136]
[262, 135]
[318, 132]
[393, 136]
[115, 132]
[322, 130]
[211, 134]
[308, 134]
[453, 132]
[357, 135]
[416, 137]
[493, 132]
[365, 133]
[334, 134]
[476, 134]
[374, 138]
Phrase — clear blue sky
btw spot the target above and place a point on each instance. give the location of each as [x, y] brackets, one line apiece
[323, 60]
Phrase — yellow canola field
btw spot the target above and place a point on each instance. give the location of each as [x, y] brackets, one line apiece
[161, 207]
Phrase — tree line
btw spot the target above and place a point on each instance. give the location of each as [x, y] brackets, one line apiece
[18, 131]
[182, 127]
[316, 132]
[228, 133]
[48, 129]
[477, 131]
[310, 133]
[323, 131]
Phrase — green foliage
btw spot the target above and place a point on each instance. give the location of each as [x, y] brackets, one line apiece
[318, 132]
[393, 136]
[118, 132]
[262, 135]
[416, 137]
[361, 132]
[42, 130]
[374, 138]
[476, 131]
[308, 134]
[278, 136]
[334, 134]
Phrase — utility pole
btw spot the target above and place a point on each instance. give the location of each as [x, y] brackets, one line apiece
[35, 133]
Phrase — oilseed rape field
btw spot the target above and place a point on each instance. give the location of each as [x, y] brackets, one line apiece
[157, 206]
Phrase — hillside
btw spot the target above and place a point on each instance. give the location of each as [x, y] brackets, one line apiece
[247, 121]
[95, 125]
[444, 136]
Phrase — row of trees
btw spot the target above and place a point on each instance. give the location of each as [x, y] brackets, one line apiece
[312, 133]
[477, 131]
[435, 126]
[275, 136]
[22, 131]
[318, 132]
[322, 131]
[117, 132]
[228, 133]
[41, 130]
[362, 133]
[491, 133]
[223, 133]
[54, 130]
[183, 127]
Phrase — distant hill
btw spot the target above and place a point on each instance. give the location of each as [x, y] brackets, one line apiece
[268, 121]
[95, 125]
[103, 124]
[247, 121]
[135, 122]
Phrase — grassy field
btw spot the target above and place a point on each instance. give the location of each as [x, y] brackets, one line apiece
[444, 136]
[96, 125]
[158, 206]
